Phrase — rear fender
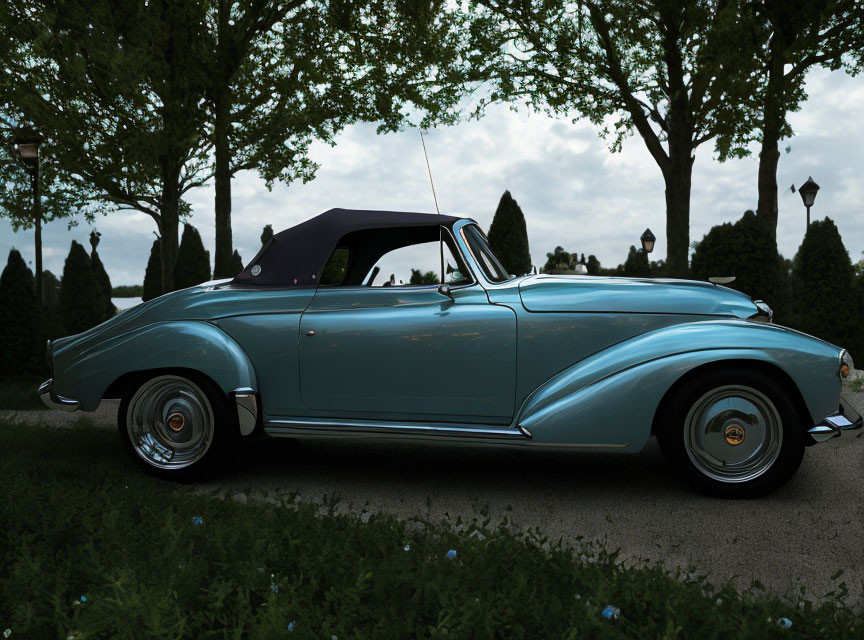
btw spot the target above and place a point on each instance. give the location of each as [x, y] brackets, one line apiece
[194, 345]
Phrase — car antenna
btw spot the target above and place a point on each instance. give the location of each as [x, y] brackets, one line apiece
[435, 198]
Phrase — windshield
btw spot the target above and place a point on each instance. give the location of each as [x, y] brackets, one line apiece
[483, 254]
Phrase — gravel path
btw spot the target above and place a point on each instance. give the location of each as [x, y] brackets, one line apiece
[801, 535]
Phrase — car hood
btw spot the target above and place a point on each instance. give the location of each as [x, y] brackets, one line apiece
[593, 294]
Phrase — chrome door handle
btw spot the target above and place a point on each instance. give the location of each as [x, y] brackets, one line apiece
[310, 333]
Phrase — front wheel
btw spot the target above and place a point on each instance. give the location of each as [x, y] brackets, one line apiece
[733, 433]
[174, 426]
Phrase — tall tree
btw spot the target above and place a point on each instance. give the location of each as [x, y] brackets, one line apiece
[788, 38]
[119, 86]
[283, 74]
[665, 68]
[266, 234]
[508, 236]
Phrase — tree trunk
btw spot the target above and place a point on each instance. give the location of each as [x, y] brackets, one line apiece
[224, 241]
[678, 179]
[769, 154]
[678, 173]
[169, 221]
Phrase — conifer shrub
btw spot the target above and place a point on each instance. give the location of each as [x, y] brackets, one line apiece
[101, 275]
[508, 236]
[193, 261]
[82, 300]
[153, 274]
[52, 318]
[20, 344]
[236, 263]
[267, 234]
[560, 260]
[636, 265]
[746, 250]
[827, 302]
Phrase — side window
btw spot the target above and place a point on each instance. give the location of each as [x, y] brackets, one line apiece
[417, 264]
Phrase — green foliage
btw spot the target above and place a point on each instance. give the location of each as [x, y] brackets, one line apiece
[20, 337]
[236, 263]
[508, 236]
[82, 299]
[333, 272]
[127, 291]
[636, 264]
[747, 251]
[593, 265]
[267, 234]
[193, 262]
[118, 88]
[152, 287]
[823, 283]
[101, 275]
[418, 277]
[560, 260]
[52, 315]
[81, 520]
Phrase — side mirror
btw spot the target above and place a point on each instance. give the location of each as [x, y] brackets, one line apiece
[444, 290]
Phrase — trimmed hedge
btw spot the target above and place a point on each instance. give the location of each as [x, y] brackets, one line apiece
[20, 326]
[508, 236]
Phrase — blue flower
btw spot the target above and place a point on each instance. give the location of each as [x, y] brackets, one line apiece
[784, 623]
[274, 588]
[290, 626]
[83, 598]
[611, 613]
[407, 547]
[197, 520]
[451, 554]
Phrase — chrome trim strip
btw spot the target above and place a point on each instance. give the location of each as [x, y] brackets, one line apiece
[53, 401]
[247, 409]
[363, 427]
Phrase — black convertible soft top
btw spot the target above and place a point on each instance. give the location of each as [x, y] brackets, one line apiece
[296, 256]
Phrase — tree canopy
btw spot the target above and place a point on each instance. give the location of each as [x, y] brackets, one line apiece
[508, 236]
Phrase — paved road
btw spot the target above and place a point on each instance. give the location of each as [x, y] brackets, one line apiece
[801, 535]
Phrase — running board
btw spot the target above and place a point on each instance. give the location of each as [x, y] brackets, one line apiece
[335, 427]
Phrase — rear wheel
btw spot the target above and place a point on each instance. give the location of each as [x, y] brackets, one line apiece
[175, 426]
[733, 433]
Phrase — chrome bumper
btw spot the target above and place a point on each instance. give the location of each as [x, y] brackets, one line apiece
[53, 401]
[846, 419]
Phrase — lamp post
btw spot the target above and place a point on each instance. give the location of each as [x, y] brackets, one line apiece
[808, 195]
[648, 241]
[27, 143]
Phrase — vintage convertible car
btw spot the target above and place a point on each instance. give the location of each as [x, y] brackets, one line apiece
[305, 343]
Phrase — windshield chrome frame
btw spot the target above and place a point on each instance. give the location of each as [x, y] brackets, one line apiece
[473, 263]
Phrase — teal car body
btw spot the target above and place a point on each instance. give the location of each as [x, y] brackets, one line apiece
[535, 361]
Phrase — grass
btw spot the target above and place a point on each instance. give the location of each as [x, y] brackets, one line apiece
[21, 394]
[857, 385]
[89, 546]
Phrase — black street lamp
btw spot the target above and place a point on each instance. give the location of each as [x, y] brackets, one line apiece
[648, 241]
[808, 195]
[27, 144]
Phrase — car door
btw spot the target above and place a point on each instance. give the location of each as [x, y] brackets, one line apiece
[408, 352]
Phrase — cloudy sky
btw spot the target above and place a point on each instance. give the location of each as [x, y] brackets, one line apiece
[573, 191]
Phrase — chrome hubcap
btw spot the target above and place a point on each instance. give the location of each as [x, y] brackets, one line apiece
[170, 422]
[733, 434]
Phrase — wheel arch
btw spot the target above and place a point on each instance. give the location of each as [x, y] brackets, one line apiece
[761, 366]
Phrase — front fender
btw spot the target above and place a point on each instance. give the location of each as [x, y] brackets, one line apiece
[85, 372]
[610, 398]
